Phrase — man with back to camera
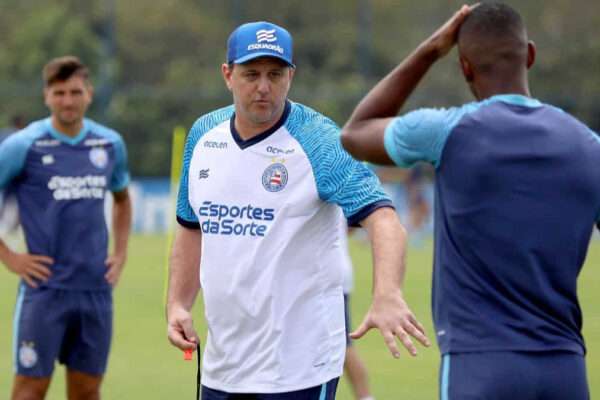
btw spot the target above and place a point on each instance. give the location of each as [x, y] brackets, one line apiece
[61, 168]
[263, 184]
[517, 196]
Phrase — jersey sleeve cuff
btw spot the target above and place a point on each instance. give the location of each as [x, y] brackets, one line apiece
[121, 187]
[354, 220]
[389, 143]
[188, 224]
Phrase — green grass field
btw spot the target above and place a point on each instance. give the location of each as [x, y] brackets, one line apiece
[144, 366]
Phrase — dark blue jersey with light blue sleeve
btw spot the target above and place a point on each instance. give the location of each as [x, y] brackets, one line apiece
[517, 194]
[61, 183]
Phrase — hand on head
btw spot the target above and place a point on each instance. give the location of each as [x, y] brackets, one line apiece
[444, 39]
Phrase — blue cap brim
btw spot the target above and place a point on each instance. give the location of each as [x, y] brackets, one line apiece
[252, 56]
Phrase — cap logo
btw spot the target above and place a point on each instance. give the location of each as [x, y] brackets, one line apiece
[259, 39]
[266, 35]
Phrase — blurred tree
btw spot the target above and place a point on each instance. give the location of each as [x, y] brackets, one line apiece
[164, 67]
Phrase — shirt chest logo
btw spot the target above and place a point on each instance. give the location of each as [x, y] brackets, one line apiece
[99, 157]
[47, 159]
[203, 174]
[275, 177]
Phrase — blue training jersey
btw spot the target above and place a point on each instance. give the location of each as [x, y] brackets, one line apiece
[517, 195]
[61, 183]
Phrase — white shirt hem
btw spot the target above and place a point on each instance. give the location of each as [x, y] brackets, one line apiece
[258, 388]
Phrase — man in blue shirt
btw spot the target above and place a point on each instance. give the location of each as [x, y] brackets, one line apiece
[61, 168]
[517, 196]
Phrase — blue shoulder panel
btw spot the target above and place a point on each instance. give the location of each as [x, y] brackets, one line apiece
[421, 135]
[13, 151]
[120, 177]
[185, 213]
[339, 178]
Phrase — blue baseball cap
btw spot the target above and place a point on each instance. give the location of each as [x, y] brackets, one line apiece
[259, 39]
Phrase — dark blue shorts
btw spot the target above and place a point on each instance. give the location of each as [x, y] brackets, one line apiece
[347, 317]
[513, 376]
[325, 391]
[73, 327]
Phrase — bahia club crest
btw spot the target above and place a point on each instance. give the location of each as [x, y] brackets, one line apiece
[275, 177]
[27, 355]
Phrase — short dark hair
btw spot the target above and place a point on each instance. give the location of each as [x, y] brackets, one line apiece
[493, 38]
[62, 68]
[492, 20]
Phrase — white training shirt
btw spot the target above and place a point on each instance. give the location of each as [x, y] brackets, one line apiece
[270, 272]
[345, 260]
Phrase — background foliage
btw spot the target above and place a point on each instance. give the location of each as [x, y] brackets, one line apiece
[156, 63]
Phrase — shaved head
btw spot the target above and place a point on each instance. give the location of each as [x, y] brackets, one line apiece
[493, 40]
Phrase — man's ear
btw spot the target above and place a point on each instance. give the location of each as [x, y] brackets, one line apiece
[466, 68]
[531, 52]
[226, 71]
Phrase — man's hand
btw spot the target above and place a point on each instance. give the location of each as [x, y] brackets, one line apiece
[444, 39]
[363, 134]
[390, 314]
[114, 264]
[29, 267]
[180, 329]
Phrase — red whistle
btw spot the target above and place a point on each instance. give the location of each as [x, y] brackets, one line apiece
[188, 354]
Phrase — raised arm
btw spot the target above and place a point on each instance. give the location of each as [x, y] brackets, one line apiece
[389, 312]
[184, 284]
[363, 134]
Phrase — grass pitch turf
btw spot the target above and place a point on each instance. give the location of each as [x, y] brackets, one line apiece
[144, 366]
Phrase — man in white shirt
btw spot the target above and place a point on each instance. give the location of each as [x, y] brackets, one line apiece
[262, 185]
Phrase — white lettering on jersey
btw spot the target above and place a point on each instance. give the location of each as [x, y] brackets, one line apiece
[77, 187]
[96, 142]
[231, 220]
[264, 46]
[47, 143]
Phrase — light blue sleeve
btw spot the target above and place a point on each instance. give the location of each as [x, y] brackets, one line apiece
[421, 135]
[13, 152]
[340, 179]
[120, 177]
[185, 213]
